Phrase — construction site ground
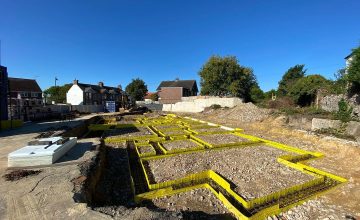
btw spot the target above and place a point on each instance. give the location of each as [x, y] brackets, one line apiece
[52, 193]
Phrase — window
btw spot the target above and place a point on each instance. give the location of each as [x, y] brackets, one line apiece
[24, 94]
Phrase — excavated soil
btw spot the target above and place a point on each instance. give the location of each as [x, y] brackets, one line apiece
[253, 171]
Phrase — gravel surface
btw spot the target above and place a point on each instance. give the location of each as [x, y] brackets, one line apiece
[165, 127]
[212, 129]
[253, 170]
[201, 200]
[180, 144]
[221, 138]
[314, 209]
[129, 132]
[146, 149]
[174, 132]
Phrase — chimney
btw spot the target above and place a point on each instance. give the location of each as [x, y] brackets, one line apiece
[75, 82]
[101, 84]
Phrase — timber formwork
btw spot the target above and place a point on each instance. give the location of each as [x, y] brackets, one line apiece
[172, 128]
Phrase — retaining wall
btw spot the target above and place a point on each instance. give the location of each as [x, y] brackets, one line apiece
[198, 105]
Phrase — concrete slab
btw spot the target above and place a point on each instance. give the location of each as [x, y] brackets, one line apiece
[45, 151]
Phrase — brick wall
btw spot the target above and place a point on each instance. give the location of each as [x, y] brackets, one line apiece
[168, 95]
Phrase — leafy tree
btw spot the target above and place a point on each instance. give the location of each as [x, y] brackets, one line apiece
[269, 94]
[256, 94]
[137, 89]
[339, 84]
[154, 97]
[304, 90]
[289, 79]
[223, 76]
[57, 93]
[353, 72]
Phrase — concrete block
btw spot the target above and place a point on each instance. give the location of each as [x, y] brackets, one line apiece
[44, 152]
[353, 129]
[320, 123]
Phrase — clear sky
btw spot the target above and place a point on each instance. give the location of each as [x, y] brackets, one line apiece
[114, 41]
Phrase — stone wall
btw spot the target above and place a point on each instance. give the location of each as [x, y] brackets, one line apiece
[330, 103]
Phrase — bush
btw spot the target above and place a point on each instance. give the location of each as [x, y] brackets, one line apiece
[344, 112]
[215, 106]
[280, 103]
[304, 90]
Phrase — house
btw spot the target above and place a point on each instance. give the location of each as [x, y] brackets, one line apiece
[25, 98]
[173, 91]
[348, 59]
[3, 93]
[88, 94]
[149, 96]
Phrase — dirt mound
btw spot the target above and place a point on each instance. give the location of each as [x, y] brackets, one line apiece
[246, 112]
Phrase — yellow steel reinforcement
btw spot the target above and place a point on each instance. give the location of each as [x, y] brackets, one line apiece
[257, 208]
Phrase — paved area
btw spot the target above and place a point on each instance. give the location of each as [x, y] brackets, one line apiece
[47, 195]
[11, 140]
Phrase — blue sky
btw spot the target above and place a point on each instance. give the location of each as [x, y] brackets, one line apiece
[115, 41]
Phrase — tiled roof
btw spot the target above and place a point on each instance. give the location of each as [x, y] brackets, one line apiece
[188, 84]
[97, 89]
[25, 85]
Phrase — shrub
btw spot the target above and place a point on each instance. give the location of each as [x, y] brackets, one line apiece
[344, 112]
[215, 106]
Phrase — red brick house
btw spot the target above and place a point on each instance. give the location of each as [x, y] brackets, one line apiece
[173, 91]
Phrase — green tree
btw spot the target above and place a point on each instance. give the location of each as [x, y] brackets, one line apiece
[137, 89]
[304, 90]
[224, 76]
[353, 72]
[57, 93]
[339, 84]
[289, 79]
[154, 97]
[269, 94]
[256, 94]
